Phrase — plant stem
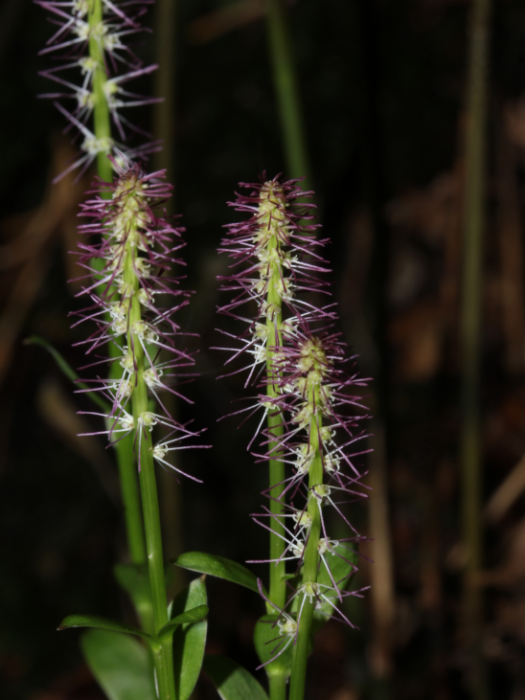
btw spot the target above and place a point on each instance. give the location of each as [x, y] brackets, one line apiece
[163, 654]
[101, 120]
[311, 562]
[277, 687]
[474, 225]
[131, 500]
[277, 593]
[285, 82]
[123, 448]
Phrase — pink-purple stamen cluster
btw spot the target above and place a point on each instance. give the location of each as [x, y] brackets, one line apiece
[311, 373]
[74, 74]
[134, 247]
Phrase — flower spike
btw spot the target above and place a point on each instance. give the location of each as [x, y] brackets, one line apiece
[134, 248]
[90, 40]
[309, 395]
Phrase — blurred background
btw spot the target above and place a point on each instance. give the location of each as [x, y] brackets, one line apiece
[383, 93]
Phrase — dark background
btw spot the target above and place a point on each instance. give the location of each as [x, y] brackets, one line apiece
[383, 94]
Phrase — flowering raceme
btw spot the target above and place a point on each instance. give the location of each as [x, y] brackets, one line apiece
[276, 254]
[314, 422]
[136, 248]
[90, 41]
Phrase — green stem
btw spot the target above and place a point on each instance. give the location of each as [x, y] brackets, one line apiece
[163, 663]
[101, 117]
[285, 81]
[277, 687]
[311, 562]
[163, 654]
[276, 467]
[124, 448]
[277, 592]
[474, 225]
[131, 500]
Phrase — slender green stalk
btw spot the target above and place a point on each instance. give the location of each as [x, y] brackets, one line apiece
[101, 119]
[474, 225]
[131, 500]
[285, 81]
[269, 238]
[163, 655]
[275, 427]
[277, 544]
[123, 448]
[311, 561]
[277, 687]
[273, 219]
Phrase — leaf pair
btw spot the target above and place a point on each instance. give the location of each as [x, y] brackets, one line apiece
[123, 666]
[275, 650]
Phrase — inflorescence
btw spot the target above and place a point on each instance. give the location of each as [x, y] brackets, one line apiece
[134, 248]
[89, 43]
[277, 284]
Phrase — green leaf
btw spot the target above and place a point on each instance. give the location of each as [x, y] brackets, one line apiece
[269, 642]
[189, 598]
[233, 682]
[101, 623]
[341, 571]
[189, 617]
[134, 579]
[189, 641]
[218, 566]
[68, 370]
[120, 664]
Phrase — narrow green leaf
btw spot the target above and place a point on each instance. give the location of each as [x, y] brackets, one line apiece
[188, 617]
[101, 623]
[134, 579]
[270, 644]
[120, 664]
[233, 682]
[218, 566]
[189, 598]
[67, 370]
[189, 641]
